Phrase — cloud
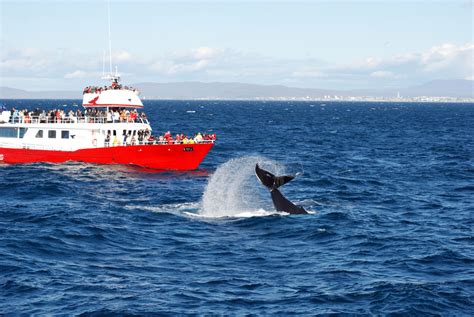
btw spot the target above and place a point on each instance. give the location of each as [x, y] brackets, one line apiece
[383, 74]
[203, 53]
[446, 61]
[22, 60]
[121, 56]
[191, 61]
[29, 62]
[442, 61]
[204, 63]
[448, 57]
[78, 74]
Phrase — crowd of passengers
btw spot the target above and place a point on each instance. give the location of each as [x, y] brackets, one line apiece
[145, 137]
[114, 86]
[114, 115]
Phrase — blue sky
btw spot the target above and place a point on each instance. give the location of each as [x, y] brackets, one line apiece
[320, 44]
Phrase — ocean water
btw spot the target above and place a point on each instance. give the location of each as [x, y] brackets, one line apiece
[389, 187]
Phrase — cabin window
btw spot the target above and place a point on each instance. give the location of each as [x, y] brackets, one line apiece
[52, 134]
[22, 132]
[39, 134]
[8, 132]
[65, 134]
[115, 132]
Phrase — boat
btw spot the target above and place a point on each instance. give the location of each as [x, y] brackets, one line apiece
[108, 130]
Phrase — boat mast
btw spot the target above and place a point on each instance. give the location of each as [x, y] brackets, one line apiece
[110, 37]
[110, 76]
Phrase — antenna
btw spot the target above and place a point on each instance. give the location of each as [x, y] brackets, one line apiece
[110, 38]
[103, 64]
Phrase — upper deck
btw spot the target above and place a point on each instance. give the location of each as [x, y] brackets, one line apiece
[58, 116]
[114, 95]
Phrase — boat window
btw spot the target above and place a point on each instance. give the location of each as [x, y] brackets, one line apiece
[65, 134]
[8, 132]
[115, 132]
[39, 134]
[52, 134]
[22, 132]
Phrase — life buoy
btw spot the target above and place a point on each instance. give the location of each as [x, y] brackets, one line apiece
[94, 142]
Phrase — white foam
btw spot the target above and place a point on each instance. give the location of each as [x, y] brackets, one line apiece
[176, 209]
[233, 190]
[242, 214]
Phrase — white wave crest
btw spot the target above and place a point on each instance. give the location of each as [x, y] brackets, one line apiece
[234, 191]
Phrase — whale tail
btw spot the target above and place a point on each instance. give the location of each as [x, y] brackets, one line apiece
[269, 180]
[272, 182]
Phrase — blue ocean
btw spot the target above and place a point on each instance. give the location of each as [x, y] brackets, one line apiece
[389, 188]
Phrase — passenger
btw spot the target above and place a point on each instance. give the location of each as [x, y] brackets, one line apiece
[151, 139]
[109, 116]
[198, 138]
[133, 116]
[58, 116]
[21, 116]
[27, 118]
[124, 141]
[72, 118]
[107, 140]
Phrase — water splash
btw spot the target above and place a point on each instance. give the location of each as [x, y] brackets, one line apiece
[233, 190]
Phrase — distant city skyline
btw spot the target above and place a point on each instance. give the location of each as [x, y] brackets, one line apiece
[310, 44]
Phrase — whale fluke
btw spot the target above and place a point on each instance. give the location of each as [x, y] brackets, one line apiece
[273, 182]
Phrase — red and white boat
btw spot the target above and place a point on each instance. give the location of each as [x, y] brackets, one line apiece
[107, 132]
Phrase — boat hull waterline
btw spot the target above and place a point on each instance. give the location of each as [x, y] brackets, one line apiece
[180, 157]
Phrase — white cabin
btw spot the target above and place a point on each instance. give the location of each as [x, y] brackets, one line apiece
[68, 132]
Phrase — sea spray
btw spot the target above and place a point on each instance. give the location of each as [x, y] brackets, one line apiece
[234, 190]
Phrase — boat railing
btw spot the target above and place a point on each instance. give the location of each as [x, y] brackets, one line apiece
[32, 146]
[72, 120]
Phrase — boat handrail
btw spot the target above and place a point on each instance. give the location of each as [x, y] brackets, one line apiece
[106, 145]
[72, 120]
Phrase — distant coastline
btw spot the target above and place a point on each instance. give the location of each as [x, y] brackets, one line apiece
[434, 91]
[358, 100]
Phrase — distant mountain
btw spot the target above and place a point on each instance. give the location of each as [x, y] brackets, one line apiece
[13, 93]
[451, 88]
[217, 90]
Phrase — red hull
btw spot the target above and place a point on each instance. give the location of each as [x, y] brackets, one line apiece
[168, 157]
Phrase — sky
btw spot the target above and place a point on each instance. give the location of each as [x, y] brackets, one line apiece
[60, 45]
